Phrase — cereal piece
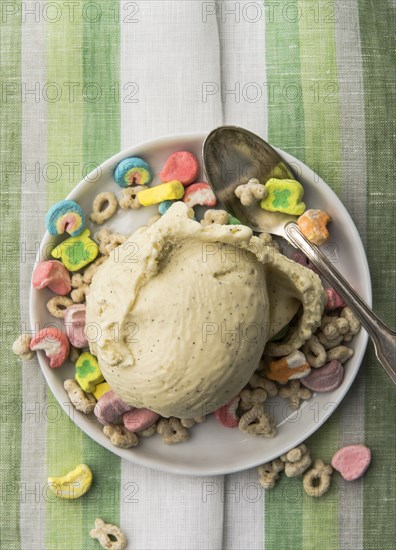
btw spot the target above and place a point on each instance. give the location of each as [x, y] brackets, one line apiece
[108, 535]
[76, 252]
[52, 274]
[316, 482]
[164, 207]
[109, 241]
[352, 461]
[269, 241]
[74, 319]
[332, 332]
[133, 171]
[199, 194]
[269, 473]
[215, 216]
[340, 353]
[173, 190]
[84, 402]
[72, 485]
[88, 374]
[148, 432]
[354, 323]
[249, 398]
[284, 196]
[65, 217]
[129, 198]
[110, 408]
[101, 389]
[296, 461]
[314, 352]
[138, 420]
[182, 166]
[232, 220]
[104, 207]
[294, 393]
[121, 437]
[190, 422]
[58, 305]
[257, 422]
[251, 192]
[227, 414]
[92, 269]
[21, 347]
[313, 224]
[81, 289]
[258, 381]
[291, 367]
[172, 431]
[334, 300]
[326, 378]
[55, 344]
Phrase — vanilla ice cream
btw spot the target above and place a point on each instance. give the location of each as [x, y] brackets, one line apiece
[182, 312]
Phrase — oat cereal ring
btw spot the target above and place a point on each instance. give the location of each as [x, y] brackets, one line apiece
[316, 482]
[249, 398]
[172, 431]
[84, 402]
[215, 216]
[121, 437]
[297, 461]
[129, 197]
[340, 353]
[314, 352]
[257, 422]
[148, 432]
[332, 332]
[58, 305]
[106, 533]
[258, 381]
[269, 473]
[104, 207]
[81, 289]
[251, 192]
[21, 347]
[92, 269]
[294, 393]
[109, 241]
[354, 323]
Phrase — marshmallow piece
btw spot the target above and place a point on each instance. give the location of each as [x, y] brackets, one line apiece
[313, 226]
[291, 367]
[65, 217]
[88, 374]
[173, 190]
[101, 389]
[52, 274]
[138, 420]
[284, 196]
[182, 166]
[55, 344]
[76, 252]
[227, 415]
[352, 461]
[133, 171]
[199, 194]
[326, 378]
[74, 319]
[110, 408]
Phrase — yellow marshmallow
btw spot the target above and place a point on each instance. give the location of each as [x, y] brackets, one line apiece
[76, 252]
[170, 191]
[72, 485]
[101, 389]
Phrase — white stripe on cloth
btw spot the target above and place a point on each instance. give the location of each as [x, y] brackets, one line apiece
[34, 417]
[244, 98]
[354, 196]
[170, 61]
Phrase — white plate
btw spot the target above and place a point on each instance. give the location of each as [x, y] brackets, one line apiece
[213, 449]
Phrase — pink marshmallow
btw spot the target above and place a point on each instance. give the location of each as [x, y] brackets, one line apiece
[182, 166]
[110, 408]
[138, 420]
[199, 193]
[352, 461]
[334, 300]
[75, 325]
[325, 378]
[55, 344]
[227, 415]
[54, 275]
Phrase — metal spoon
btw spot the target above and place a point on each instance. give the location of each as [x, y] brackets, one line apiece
[232, 156]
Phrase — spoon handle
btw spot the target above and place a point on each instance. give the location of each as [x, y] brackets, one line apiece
[384, 338]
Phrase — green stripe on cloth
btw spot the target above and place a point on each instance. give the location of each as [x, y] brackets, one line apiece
[378, 46]
[101, 131]
[323, 154]
[286, 130]
[10, 181]
[64, 519]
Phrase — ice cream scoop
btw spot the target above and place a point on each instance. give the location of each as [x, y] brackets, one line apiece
[184, 311]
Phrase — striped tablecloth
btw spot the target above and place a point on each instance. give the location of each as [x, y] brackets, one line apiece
[79, 81]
